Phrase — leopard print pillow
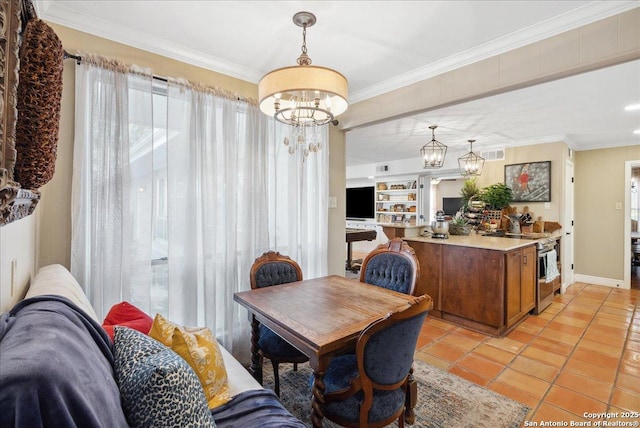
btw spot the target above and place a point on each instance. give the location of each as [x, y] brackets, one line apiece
[157, 387]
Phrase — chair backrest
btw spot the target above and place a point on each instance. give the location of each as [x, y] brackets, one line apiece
[386, 347]
[393, 265]
[273, 268]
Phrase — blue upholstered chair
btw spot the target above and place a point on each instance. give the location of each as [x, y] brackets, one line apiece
[368, 388]
[393, 265]
[273, 268]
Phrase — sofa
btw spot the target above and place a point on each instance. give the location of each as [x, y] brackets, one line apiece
[60, 368]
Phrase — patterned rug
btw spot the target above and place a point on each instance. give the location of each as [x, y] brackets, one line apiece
[444, 400]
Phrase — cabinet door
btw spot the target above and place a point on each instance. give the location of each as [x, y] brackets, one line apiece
[528, 279]
[513, 261]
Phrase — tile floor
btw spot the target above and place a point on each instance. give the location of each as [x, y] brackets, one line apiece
[582, 354]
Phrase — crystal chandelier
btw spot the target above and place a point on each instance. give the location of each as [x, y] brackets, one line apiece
[471, 164]
[433, 152]
[303, 96]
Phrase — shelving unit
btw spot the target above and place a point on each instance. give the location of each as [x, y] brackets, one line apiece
[397, 201]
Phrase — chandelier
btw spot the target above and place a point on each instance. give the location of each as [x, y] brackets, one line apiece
[433, 152]
[471, 164]
[303, 96]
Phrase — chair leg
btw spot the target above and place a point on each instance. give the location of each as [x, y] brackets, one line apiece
[276, 377]
[295, 367]
[411, 398]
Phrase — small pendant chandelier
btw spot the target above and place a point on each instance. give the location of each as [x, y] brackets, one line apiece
[471, 164]
[303, 96]
[433, 152]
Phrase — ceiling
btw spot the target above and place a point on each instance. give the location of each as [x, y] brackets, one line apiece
[383, 45]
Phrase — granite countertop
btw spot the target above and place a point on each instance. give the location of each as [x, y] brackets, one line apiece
[475, 240]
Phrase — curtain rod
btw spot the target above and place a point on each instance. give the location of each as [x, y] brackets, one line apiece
[78, 60]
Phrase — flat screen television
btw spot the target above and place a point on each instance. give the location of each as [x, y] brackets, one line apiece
[450, 206]
[360, 202]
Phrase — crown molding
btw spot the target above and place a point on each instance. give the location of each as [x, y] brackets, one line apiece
[584, 15]
[53, 11]
[59, 14]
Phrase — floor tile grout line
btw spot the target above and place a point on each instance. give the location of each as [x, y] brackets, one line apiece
[624, 347]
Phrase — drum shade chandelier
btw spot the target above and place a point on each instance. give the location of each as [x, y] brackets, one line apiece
[433, 152]
[471, 164]
[303, 96]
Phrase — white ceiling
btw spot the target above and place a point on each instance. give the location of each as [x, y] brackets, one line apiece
[383, 45]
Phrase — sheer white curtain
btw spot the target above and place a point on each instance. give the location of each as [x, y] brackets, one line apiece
[106, 104]
[176, 192]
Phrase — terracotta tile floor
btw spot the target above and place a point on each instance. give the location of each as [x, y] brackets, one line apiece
[582, 354]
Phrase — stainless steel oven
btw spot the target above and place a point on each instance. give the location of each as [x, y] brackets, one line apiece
[548, 273]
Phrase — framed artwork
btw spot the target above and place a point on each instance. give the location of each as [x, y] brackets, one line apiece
[530, 182]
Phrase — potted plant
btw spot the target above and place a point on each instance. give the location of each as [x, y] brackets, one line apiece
[497, 196]
[469, 191]
[459, 225]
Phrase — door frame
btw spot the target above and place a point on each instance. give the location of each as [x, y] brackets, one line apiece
[628, 165]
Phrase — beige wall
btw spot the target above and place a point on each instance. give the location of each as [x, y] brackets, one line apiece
[599, 226]
[557, 153]
[17, 260]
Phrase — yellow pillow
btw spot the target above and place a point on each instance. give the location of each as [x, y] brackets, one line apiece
[200, 349]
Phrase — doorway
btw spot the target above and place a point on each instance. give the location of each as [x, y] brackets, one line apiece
[631, 227]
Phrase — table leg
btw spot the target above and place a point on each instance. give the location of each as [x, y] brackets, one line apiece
[410, 399]
[317, 396]
[256, 364]
[348, 264]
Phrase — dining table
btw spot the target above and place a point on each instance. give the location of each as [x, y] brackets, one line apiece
[323, 318]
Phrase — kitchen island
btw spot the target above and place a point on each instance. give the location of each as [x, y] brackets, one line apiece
[483, 283]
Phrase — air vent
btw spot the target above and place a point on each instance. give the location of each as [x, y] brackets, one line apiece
[382, 168]
[494, 155]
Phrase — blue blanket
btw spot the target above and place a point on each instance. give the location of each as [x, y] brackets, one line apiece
[56, 368]
[254, 409]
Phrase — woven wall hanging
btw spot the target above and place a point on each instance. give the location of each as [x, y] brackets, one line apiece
[38, 103]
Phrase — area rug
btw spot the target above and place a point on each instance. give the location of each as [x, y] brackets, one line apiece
[444, 400]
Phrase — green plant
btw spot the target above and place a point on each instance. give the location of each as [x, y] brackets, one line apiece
[459, 219]
[497, 196]
[469, 190]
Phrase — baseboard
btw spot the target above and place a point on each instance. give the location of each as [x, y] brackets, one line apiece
[597, 280]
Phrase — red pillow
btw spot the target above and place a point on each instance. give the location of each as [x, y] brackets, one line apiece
[125, 314]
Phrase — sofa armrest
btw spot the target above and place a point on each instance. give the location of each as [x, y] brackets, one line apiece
[240, 379]
[57, 280]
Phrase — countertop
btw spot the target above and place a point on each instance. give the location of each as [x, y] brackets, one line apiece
[402, 225]
[475, 240]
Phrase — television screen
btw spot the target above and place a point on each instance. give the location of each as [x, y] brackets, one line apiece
[450, 206]
[360, 202]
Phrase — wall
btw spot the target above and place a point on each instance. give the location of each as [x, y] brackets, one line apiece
[17, 245]
[599, 226]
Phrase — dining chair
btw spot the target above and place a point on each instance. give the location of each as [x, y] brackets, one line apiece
[392, 265]
[368, 388]
[270, 269]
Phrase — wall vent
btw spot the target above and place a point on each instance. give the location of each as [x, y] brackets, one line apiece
[382, 168]
[493, 155]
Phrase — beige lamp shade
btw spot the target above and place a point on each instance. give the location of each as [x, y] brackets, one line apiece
[303, 86]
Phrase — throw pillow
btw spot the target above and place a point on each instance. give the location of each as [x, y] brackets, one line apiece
[157, 387]
[201, 350]
[127, 315]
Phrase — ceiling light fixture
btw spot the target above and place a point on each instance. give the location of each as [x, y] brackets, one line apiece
[303, 96]
[471, 164]
[632, 107]
[433, 152]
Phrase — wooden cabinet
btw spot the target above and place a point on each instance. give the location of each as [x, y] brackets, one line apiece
[521, 283]
[430, 259]
[484, 289]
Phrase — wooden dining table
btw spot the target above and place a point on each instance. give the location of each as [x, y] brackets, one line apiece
[322, 317]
